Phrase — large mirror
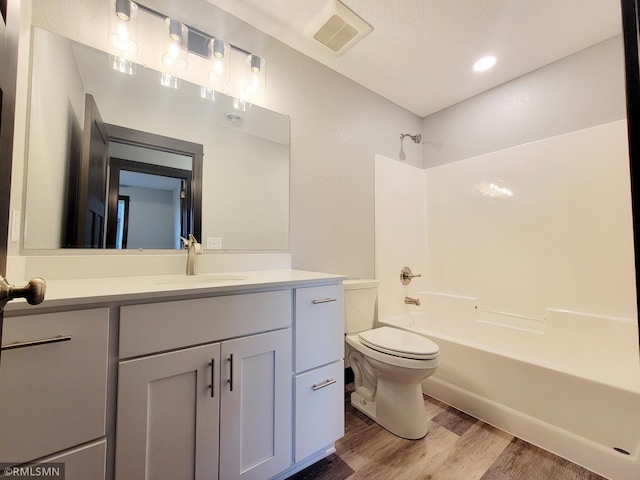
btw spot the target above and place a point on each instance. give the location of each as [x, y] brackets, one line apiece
[121, 161]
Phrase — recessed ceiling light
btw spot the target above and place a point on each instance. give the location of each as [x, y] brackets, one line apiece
[485, 63]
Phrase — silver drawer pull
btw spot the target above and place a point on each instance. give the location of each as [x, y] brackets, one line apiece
[326, 383]
[35, 343]
[324, 300]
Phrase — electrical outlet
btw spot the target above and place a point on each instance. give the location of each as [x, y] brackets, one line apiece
[214, 243]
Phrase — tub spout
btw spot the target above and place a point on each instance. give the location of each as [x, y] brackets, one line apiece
[412, 301]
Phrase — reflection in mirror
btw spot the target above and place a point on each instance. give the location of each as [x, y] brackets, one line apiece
[119, 161]
[149, 204]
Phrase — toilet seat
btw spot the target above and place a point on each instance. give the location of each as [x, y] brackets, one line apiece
[399, 343]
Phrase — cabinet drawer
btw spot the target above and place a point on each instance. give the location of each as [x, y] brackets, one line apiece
[83, 463]
[158, 327]
[319, 409]
[52, 395]
[319, 326]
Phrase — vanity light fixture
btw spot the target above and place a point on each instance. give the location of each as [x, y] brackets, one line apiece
[177, 48]
[485, 63]
[257, 75]
[123, 26]
[181, 41]
[219, 57]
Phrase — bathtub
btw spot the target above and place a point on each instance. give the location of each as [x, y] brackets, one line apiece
[568, 382]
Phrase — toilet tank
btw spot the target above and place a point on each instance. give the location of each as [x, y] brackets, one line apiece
[360, 298]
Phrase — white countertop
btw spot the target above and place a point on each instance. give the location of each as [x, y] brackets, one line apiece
[166, 287]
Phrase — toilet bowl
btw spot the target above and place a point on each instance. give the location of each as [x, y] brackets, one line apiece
[388, 364]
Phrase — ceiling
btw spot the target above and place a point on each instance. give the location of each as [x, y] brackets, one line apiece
[420, 52]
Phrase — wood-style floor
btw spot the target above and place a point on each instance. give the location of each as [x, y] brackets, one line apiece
[457, 447]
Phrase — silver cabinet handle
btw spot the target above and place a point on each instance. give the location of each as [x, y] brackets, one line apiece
[212, 364]
[35, 343]
[230, 381]
[326, 383]
[324, 300]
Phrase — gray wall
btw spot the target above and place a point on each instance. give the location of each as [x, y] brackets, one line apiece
[577, 92]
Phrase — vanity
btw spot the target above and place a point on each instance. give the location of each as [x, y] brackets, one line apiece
[212, 376]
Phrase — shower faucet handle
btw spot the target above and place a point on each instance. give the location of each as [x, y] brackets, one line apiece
[406, 275]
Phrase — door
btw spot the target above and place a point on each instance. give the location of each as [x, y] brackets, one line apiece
[168, 414]
[631, 32]
[9, 25]
[86, 225]
[255, 406]
[8, 60]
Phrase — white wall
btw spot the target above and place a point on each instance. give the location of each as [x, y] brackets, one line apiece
[57, 117]
[151, 218]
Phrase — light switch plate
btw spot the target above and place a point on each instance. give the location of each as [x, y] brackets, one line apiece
[214, 243]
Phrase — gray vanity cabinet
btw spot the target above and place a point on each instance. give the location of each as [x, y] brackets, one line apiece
[218, 410]
[209, 385]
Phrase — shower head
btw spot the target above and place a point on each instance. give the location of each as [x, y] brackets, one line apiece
[417, 138]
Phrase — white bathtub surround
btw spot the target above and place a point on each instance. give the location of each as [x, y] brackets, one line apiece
[528, 288]
[562, 238]
[400, 232]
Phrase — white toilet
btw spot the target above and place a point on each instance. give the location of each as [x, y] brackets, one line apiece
[388, 364]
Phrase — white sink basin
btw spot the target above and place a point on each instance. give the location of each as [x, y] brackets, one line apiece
[200, 280]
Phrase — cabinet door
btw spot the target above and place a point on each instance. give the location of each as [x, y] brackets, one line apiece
[168, 415]
[319, 409]
[255, 423]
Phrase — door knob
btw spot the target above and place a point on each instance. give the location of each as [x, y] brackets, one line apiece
[33, 291]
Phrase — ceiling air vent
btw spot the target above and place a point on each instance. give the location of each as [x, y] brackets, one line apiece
[339, 28]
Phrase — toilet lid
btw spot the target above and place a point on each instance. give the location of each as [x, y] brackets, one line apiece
[399, 343]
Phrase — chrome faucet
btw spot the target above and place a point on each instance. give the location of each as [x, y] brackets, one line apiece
[412, 301]
[193, 249]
